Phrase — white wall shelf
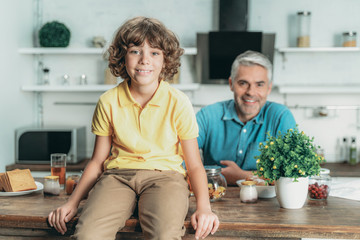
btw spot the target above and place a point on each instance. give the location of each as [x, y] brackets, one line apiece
[40, 51]
[318, 49]
[93, 88]
[315, 50]
[318, 89]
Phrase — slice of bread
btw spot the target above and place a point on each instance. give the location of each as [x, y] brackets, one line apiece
[5, 182]
[1, 184]
[18, 180]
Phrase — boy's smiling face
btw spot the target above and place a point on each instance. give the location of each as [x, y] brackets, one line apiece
[144, 64]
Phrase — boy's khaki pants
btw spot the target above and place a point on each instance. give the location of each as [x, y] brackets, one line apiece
[162, 198]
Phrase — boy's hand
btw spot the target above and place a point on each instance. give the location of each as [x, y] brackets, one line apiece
[60, 216]
[204, 222]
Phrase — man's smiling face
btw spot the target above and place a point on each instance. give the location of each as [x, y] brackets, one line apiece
[251, 88]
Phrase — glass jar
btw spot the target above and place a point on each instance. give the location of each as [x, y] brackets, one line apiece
[352, 152]
[248, 192]
[216, 183]
[319, 186]
[46, 78]
[71, 183]
[349, 39]
[304, 22]
[83, 79]
[51, 185]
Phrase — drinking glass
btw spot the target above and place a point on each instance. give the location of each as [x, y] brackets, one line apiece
[58, 167]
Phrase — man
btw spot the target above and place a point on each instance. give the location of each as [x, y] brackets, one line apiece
[230, 131]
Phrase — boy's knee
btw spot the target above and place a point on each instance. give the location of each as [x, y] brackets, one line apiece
[165, 232]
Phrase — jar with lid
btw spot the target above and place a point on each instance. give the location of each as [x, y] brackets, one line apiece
[248, 192]
[349, 39]
[319, 186]
[304, 23]
[51, 185]
[46, 79]
[352, 152]
[216, 183]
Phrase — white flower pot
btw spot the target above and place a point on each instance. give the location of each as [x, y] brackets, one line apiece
[291, 194]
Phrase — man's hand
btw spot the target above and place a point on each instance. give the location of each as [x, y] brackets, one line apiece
[233, 172]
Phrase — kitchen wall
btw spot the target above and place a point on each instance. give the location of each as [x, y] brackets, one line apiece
[16, 108]
[88, 18]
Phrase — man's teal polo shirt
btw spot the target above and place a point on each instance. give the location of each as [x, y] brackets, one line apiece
[222, 136]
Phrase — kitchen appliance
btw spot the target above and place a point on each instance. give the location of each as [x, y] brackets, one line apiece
[33, 145]
[218, 50]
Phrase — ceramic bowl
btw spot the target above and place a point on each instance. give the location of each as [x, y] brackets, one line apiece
[263, 191]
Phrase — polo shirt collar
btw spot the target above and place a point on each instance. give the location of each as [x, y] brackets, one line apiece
[160, 94]
[230, 114]
[126, 99]
[259, 119]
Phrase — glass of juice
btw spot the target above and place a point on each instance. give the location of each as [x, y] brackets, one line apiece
[71, 183]
[58, 167]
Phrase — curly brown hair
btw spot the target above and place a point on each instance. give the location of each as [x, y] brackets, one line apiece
[136, 31]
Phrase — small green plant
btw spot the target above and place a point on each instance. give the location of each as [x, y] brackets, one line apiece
[291, 154]
[54, 34]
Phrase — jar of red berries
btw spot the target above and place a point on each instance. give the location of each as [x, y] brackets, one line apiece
[319, 186]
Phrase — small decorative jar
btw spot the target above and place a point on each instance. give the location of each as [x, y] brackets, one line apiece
[51, 185]
[46, 79]
[349, 39]
[248, 192]
[304, 23]
[319, 186]
[216, 183]
[71, 183]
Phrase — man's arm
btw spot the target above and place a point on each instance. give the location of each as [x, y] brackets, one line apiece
[232, 172]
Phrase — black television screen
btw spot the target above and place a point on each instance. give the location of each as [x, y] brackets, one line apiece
[225, 46]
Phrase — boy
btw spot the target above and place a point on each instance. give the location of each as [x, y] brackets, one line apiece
[150, 128]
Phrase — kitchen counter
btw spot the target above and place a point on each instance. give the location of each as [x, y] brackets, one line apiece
[343, 169]
[46, 167]
[335, 218]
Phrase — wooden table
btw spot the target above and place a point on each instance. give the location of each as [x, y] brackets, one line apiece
[337, 169]
[335, 218]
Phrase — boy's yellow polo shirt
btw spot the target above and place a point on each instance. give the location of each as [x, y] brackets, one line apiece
[149, 137]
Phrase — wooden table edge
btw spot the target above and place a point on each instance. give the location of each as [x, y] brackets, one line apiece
[133, 225]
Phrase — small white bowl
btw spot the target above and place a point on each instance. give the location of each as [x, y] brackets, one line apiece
[263, 191]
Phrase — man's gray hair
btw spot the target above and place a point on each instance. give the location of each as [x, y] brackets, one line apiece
[251, 58]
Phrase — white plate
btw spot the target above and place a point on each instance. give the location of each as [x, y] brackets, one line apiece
[263, 191]
[39, 185]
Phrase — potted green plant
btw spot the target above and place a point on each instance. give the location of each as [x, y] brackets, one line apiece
[54, 34]
[288, 160]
